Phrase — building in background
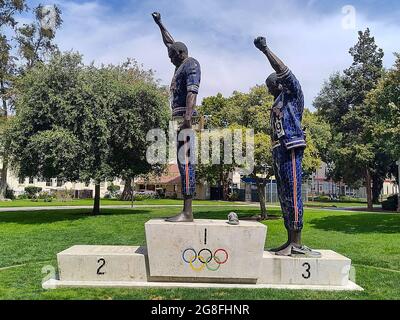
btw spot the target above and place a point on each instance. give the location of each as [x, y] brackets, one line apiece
[320, 184]
[169, 184]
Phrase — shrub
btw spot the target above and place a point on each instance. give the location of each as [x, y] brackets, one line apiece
[64, 195]
[140, 196]
[32, 191]
[23, 196]
[46, 196]
[322, 198]
[234, 196]
[113, 191]
[391, 203]
[172, 196]
[10, 194]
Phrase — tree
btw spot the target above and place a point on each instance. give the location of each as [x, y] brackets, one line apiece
[82, 123]
[34, 42]
[385, 103]
[341, 103]
[8, 9]
[132, 74]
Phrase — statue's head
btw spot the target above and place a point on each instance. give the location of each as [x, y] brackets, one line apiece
[178, 52]
[273, 85]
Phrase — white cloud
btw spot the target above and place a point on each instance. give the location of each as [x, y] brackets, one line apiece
[220, 34]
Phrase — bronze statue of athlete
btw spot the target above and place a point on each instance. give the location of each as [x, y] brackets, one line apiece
[288, 143]
[184, 90]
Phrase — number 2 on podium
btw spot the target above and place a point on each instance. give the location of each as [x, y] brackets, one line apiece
[102, 264]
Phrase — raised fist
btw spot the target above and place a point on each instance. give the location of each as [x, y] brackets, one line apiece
[260, 43]
[156, 17]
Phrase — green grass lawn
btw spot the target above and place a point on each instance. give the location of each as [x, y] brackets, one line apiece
[31, 240]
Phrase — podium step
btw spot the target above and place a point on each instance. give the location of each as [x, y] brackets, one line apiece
[205, 250]
[102, 263]
[332, 269]
[201, 254]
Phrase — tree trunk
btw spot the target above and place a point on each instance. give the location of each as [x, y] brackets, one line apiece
[3, 178]
[4, 170]
[223, 183]
[225, 188]
[96, 206]
[127, 193]
[261, 195]
[377, 186]
[368, 182]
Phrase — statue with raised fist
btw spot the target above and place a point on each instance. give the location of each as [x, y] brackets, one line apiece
[184, 90]
[288, 144]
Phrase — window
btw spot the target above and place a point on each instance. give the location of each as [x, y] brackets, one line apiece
[60, 183]
[21, 180]
[31, 181]
[48, 183]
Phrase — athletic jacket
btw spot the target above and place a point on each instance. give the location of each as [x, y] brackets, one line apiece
[287, 113]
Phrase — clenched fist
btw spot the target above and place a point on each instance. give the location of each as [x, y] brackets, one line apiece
[156, 17]
[260, 43]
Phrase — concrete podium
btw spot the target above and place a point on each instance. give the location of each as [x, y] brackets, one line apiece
[205, 250]
[202, 254]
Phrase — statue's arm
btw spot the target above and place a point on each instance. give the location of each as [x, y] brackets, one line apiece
[167, 38]
[193, 78]
[276, 63]
[190, 105]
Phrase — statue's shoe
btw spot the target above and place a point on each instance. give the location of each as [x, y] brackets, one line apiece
[274, 250]
[305, 251]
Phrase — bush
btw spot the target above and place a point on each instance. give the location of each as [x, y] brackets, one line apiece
[113, 191]
[22, 196]
[322, 198]
[350, 199]
[391, 203]
[32, 191]
[140, 196]
[10, 194]
[64, 195]
[46, 196]
[234, 196]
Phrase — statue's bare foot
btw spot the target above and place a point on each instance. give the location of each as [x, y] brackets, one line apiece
[285, 251]
[182, 217]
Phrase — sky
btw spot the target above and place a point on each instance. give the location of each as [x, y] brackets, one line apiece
[312, 37]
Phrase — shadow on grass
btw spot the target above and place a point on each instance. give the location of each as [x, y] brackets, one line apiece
[51, 216]
[360, 223]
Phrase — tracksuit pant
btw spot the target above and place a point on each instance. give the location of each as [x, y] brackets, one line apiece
[288, 173]
[186, 152]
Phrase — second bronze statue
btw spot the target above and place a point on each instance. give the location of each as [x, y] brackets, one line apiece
[184, 90]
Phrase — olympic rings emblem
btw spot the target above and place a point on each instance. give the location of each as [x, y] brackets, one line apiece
[206, 258]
